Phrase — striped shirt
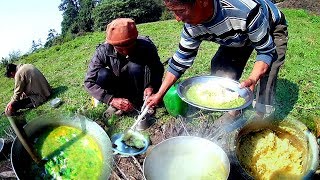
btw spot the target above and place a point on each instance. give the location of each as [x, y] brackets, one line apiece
[235, 23]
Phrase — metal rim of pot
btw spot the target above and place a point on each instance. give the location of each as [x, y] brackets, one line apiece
[150, 157]
[80, 122]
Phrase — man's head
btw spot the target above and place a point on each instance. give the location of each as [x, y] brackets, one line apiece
[122, 33]
[11, 70]
[191, 11]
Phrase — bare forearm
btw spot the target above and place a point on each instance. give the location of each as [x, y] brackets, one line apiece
[168, 81]
[259, 69]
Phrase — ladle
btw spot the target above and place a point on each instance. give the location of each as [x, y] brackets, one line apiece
[21, 134]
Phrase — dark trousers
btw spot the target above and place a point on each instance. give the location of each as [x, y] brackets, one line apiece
[129, 84]
[230, 62]
[24, 103]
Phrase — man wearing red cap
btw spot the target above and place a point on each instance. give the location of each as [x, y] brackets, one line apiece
[125, 69]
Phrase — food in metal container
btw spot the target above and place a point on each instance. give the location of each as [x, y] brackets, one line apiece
[133, 139]
[212, 95]
[70, 154]
[271, 154]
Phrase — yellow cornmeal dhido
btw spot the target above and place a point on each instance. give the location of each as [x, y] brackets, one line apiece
[268, 156]
[213, 96]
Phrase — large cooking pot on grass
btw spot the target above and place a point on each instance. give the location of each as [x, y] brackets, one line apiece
[186, 157]
[273, 136]
[21, 160]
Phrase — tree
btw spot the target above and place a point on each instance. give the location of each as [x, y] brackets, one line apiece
[140, 11]
[85, 20]
[35, 45]
[52, 35]
[70, 14]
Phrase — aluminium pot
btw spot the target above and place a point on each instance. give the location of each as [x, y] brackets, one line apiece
[20, 158]
[186, 157]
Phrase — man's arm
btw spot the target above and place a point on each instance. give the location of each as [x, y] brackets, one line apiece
[19, 87]
[185, 55]
[259, 34]
[259, 69]
[97, 62]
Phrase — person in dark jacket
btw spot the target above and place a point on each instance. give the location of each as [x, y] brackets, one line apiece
[125, 69]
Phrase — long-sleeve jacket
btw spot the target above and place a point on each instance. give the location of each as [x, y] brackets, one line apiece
[234, 24]
[145, 54]
[30, 82]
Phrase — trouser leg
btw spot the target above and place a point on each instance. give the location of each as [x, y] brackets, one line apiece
[21, 104]
[266, 89]
[129, 84]
[136, 82]
[230, 61]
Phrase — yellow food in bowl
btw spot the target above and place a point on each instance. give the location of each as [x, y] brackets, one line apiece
[269, 154]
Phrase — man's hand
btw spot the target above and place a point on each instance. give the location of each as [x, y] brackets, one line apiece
[154, 99]
[147, 92]
[259, 69]
[9, 110]
[248, 83]
[122, 104]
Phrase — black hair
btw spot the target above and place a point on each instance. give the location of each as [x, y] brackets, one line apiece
[9, 69]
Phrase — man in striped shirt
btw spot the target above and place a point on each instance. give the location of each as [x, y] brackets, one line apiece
[239, 26]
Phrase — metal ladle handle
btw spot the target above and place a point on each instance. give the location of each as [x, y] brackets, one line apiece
[140, 117]
[22, 136]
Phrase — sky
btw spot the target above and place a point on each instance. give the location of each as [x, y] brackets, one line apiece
[22, 21]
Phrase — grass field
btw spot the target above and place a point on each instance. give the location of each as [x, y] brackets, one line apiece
[65, 66]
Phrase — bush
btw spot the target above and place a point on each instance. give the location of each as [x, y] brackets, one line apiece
[140, 11]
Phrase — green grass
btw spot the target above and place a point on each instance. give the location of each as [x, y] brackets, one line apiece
[65, 66]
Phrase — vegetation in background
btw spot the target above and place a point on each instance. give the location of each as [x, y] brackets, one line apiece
[141, 11]
[65, 66]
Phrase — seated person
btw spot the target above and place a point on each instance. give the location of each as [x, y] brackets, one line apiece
[31, 88]
[125, 69]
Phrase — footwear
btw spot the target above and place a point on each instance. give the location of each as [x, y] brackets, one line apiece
[110, 112]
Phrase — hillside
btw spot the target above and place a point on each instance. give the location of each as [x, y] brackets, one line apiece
[65, 67]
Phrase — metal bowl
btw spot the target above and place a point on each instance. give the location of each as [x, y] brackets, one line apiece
[186, 157]
[227, 83]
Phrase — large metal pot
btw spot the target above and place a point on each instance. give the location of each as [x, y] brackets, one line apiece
[20, 158]
[294, 130]
[186, 157]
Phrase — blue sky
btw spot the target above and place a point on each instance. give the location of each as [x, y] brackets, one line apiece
[22, 21]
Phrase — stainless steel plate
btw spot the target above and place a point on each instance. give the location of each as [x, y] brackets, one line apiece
[120, 147]
[227, 83]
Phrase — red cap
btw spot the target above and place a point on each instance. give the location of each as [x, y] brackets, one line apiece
[121, 30]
